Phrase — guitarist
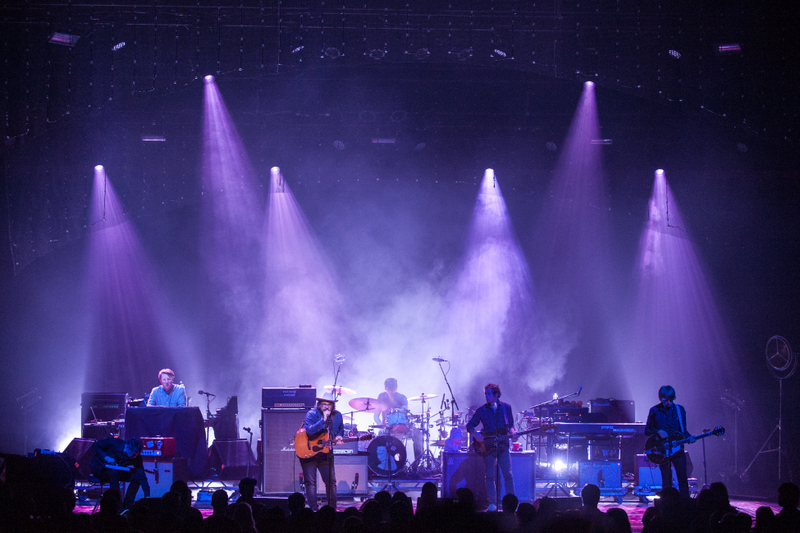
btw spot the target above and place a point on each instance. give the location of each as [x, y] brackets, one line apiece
[668, 420]
[497, 419]
[323, 418]
[111, 458]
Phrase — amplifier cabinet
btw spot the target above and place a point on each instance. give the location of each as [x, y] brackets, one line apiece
[648, 474]
[351, 476]
[161, 474]
[288, 398]
[604, 474]
[466, 469]
[280, 466]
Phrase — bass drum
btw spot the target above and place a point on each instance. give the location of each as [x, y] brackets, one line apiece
[386, 455]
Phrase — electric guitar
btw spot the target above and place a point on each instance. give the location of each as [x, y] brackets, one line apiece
[491, 440]
[659, 450]
[306, 447]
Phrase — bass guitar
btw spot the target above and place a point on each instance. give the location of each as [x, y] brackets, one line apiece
[305, 447]
[491, 440]
[659, 450]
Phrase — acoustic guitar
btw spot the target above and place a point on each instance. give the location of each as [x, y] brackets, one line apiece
[306, 447]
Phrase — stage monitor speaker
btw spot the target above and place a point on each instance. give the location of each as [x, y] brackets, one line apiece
[604, 474]
[232, 459]
[466, 469]
[281, 468]
[351, 476]
[563, 503]
[80, 452]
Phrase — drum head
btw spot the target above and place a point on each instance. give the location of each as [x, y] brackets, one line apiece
[386, 454]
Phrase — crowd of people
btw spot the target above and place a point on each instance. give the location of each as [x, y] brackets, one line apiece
[710, 512]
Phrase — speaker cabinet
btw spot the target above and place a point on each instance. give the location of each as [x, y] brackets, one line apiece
[351, 476]
[604, 474]
[80, 452]
[160, 476]
[648, 474]
[231, 459]
[466, 469]
[281, 468]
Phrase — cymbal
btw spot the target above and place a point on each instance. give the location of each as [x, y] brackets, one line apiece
[341, 391]
[423, 397]
[370, 405]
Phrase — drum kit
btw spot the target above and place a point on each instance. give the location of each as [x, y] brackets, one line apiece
[388, 453]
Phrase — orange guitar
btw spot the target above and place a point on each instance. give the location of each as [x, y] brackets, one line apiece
[306, 447]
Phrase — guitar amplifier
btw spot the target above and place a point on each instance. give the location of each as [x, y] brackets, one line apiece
[159, 447]
[604, 474]
[648, 474]
[288, 398]
[351, 476]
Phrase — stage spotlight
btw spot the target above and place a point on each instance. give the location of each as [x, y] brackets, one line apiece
[660, 171]
[153, 138]
[98, 168]
[332, 52]
[64, 39]
[588, 84]
[675, 54]
[377, 53]
[465, 54]
[209, 79]
[559, 466]
[729, 49]
[422, 54]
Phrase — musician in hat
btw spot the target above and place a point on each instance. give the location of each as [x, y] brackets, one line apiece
[323, 421]
[667, 419]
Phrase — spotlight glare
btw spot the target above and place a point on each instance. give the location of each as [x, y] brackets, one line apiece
[209, 79]
[98, 168]
[660, 171]
[559, 466]
[589, 84]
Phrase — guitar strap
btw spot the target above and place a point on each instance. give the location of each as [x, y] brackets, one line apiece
[680, 419]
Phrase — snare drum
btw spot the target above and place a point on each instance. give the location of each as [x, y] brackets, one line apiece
[397, 421]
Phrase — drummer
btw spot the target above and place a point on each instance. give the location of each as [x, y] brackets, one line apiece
[396, 416]
[395, 402]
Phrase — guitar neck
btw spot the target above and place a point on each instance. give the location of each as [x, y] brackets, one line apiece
[695, 437]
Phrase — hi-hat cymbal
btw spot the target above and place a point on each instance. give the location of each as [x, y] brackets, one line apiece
[369, 405]
[423, 397]
[341, 391]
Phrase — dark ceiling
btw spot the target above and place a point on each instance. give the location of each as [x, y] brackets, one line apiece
[666, 52]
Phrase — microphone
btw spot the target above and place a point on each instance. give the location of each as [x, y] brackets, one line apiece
[354, 485]
[440, 360]
[206, 393]
[248, 430]
[579, 390]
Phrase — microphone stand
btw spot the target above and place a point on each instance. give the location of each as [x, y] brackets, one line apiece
[249, 450]
[208, 418]
[453, 402]
[330, 487]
